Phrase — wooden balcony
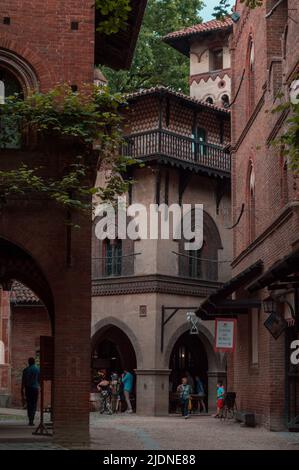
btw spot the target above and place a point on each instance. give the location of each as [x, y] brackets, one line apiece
[166, 145]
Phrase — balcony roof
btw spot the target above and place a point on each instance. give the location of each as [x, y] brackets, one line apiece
[117, 50]
[188, 100]
[180, 40]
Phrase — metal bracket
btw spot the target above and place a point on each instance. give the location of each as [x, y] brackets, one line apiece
[165, 320]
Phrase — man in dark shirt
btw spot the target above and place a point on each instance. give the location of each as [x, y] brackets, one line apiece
[30, 387]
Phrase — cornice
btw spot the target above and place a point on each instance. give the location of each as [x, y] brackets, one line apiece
[153, 283]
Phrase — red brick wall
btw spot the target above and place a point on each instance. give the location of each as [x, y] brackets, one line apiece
[276, 225]
[28, 324]
[40, 32]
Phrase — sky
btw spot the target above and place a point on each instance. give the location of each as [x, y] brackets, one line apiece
[207, 11]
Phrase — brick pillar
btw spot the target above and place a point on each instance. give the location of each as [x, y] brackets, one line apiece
[152, 392]
[72, 297]
[5, 366]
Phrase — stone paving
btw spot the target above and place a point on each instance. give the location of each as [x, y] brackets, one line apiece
[124, 432]
[132, 432]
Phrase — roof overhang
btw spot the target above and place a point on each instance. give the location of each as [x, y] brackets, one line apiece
[278, 272]
[181, 41]
[218, 303]
[117, 50]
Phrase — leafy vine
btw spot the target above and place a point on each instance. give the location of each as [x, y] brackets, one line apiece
[114, 15]
[90, 120]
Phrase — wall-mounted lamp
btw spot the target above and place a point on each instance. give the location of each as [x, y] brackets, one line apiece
[235, 17]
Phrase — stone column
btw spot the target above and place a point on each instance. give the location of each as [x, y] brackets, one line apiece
[213, 378]
[152, 392]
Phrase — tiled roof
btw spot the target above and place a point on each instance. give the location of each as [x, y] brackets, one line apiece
[212, 25]
[168, 91]
[21, 294]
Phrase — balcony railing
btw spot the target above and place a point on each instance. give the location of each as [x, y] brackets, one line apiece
[169, 144]
[114, 266]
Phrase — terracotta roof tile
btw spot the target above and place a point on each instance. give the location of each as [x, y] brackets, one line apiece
[21, 294]
[212, 25]
[168, 91]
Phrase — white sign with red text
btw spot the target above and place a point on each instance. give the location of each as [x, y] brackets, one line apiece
[225, 334]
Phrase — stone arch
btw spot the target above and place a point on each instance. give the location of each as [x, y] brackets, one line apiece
[20, 68]
[26, 63]
[107, 322]
[17, 263]
[214, 359]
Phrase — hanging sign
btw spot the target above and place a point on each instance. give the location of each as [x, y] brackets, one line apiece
[225, 334]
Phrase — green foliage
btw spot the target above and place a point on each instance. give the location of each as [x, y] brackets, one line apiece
[289, 140]
[224, 8]
[85, 119]
[156, 63]
[114, 15]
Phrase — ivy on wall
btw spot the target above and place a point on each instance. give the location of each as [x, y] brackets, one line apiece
[89, 120]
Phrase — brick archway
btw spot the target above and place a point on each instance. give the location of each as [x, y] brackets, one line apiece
[18, 264]
[27, 63]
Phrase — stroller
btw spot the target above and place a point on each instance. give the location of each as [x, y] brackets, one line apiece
[106, 401]
[229, 409]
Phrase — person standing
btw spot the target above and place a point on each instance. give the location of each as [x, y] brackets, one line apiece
[200, 392]
[220, 399]
[185, 391]
[115, 391]
[127, 381]
[30, 388]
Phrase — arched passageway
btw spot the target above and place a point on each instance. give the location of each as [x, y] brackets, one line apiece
[188, 357]
[112, 351]
[193, 356]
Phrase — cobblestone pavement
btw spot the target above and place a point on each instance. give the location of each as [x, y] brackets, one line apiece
[131, 432]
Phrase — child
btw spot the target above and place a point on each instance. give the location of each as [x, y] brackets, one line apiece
[185, 391]
[220, 399]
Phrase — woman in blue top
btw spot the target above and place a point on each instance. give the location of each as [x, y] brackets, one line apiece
[127, 381]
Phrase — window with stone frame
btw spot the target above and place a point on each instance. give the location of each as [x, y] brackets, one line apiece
[216, 59]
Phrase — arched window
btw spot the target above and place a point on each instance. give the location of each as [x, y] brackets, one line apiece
[9, 85]
[225, 101]
[202, 263]
[251, 75]
[251, 202]
[210, 100]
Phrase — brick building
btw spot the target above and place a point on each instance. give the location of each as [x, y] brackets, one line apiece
[40, 47]
[183, 143]
[265, 54]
